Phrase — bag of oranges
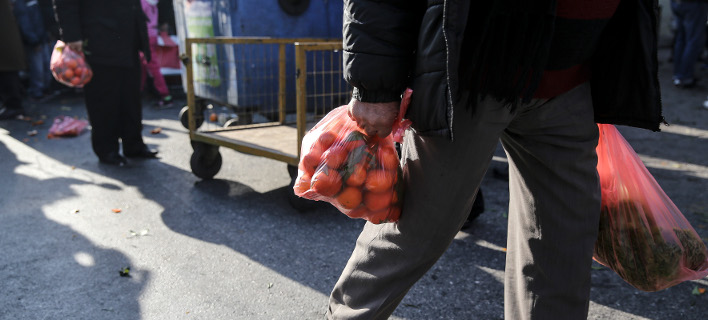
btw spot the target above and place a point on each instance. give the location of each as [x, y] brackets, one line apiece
[69, 67]
[359, 175]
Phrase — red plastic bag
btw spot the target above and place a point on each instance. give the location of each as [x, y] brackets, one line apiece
[65, 126]
[643, 236]
[359, 175]
[69, 67]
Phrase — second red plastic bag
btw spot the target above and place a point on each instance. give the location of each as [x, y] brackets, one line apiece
[359, 175]
[643, 236]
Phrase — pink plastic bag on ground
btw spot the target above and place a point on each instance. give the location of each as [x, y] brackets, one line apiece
[359, 175]
[69, 67]
[643, 236]
[65, 126]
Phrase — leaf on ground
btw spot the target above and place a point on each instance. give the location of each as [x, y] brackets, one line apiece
[125, 272]
[504, 249]
[270, 285]
[156, 130]
[38, 122]
[698, 291]
[116, 210]
[32, 133]
[75, 211]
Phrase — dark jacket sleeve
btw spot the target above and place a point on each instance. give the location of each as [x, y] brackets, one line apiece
[379, 39]
[68, 19]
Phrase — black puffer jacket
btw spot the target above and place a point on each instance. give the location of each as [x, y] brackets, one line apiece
[113, 31]
[389, 45]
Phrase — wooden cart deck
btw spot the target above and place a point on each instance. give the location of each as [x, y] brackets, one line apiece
[272, 140]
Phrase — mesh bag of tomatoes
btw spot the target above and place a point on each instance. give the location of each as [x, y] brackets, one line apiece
[69, 67]
[359, 175]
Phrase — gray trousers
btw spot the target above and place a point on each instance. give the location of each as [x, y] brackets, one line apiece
[554, 210]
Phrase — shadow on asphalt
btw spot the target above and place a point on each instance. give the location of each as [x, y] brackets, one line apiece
[49, 268]
[310, 248]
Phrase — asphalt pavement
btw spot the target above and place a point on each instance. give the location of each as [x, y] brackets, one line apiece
[234, 248]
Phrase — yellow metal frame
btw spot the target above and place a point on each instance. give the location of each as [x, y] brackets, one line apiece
[229, 137]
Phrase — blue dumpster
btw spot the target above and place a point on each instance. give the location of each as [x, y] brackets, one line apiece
[222, 75]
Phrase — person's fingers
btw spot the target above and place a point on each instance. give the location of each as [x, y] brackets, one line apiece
[349, 113]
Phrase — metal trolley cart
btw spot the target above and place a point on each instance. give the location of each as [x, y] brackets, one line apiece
[275, 103]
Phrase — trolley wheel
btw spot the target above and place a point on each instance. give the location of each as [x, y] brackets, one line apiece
[206, 160]
[242, 119]
[299, 204]
[184, 117]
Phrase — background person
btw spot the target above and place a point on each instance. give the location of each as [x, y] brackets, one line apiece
[35, 37]
[12, 60]
[112, 33]
[689, 40]
[153, 66]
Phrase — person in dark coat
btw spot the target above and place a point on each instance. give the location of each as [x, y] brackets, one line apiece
[111, 34]
[35, 37]
[539, 75]
[12, 60]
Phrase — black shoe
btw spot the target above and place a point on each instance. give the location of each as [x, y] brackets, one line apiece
[145, 153]
[113, 159]
[8, 113]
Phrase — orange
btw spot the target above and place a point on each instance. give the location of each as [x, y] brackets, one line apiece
[358, 212]
[311, 160]
[379, 180]
[78, 71]
[394, 197]
[378, 217]
[71, 63]
[75, 81]
[394, 214]
[68, 74]
[376, 201]
[335, 157]
[349, 198]
[302, 184]
[326, 182]
[351, 145]
[388, 158]
[354, 140]
[326, 139]
[357, 177]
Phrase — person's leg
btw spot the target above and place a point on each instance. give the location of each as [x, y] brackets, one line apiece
[694, 22]
[154, 68]
[46, 59]
[554, 208]
[679, 39]
[103, 98]
[131, 111]
[11, 94]
[441, 178]
[36, 70]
